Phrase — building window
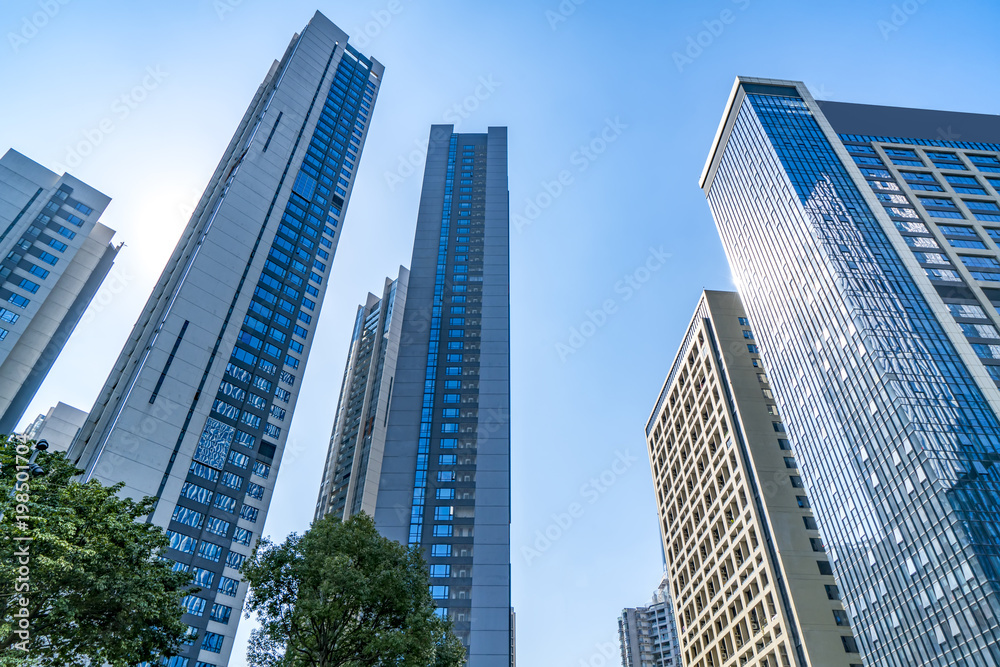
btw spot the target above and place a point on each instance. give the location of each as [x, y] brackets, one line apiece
[228, 586]
[212, 642]
[440, 571]
[850, 645]
[248, 513]
[832, 592]
[38, 271]
[238, 459]
[221, 613]
[225, 503]
[232, 480]
[181, 542]
[824, 567]
[203, 578]
[251, 420]
[188, 517]
[840, 617]
[217, 526]
[209, 551]
[193, 605]
[203, 471]
[199, 494]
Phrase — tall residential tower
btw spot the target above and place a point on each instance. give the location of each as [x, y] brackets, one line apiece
[197, 407]
[443, 460]
[55, 257]
[749, 578]
[357, 444]
[862, 240]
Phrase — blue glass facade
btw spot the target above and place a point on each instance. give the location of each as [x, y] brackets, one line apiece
[445, 476]
[433, 351]
[896, 439]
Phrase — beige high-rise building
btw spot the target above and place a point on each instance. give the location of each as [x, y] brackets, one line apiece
[749, 576]
[54, 255]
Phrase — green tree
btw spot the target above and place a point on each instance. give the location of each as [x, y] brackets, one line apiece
[83, 566]
[343, 595]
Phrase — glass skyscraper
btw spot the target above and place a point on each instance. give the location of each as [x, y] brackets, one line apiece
[444, 481]
[862, 241]
[197, 407]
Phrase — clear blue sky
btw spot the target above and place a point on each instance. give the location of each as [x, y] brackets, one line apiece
[651, 77]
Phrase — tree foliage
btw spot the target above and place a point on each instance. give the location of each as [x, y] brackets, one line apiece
[341, 595]
[83, 567]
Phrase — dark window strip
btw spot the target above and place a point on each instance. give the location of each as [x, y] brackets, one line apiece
[170, 360]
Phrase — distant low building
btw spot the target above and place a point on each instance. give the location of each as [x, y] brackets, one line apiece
[648, 635]
[58, 426]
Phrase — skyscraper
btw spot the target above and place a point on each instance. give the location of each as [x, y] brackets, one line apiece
[56, 254]
[862, 242]
[746, 564]
[357, 444]
[648, 635]
[444, 480]
[196, 409]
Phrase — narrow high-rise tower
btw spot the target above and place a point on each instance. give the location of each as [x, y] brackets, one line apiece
[196, 410]
[438, 476]
[357, 444]
[863, 240]
[55, 257]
